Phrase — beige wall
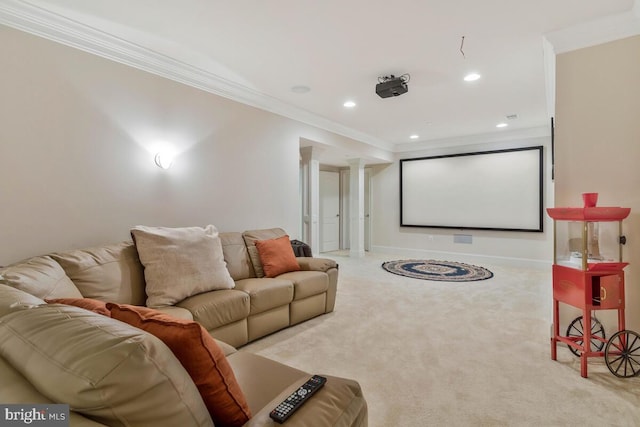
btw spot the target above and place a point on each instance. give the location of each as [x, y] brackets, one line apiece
[77, 138]
[502, 247]
[598, 140]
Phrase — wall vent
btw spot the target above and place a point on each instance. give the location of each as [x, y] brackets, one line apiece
[462, 238]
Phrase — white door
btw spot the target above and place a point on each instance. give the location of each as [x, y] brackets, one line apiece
[329, 211]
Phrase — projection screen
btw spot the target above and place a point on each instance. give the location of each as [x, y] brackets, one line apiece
[489, 190]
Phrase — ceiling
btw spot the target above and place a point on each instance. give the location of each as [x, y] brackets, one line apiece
[339, 49]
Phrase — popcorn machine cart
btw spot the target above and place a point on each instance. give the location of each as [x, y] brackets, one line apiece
[588, 274]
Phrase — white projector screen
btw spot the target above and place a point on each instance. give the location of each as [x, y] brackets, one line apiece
[489, 190]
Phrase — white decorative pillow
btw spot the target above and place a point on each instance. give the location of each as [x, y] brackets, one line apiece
[180, 262]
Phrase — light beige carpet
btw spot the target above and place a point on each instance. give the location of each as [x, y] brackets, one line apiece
[453, 354]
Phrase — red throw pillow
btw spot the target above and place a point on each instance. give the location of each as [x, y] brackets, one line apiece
[277, 256]
[90, 304]
[201, 357]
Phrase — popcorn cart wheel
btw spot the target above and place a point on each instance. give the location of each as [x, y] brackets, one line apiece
[622, 354]
[575, 331]
[622, 351]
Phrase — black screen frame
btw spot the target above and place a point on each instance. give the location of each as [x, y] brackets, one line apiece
[540, 209]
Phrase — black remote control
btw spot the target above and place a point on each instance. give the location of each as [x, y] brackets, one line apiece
[288, 406]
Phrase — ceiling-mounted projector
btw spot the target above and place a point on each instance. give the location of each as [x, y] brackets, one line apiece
[389, 86]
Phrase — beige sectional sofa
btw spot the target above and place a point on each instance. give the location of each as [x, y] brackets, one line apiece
[256, 306]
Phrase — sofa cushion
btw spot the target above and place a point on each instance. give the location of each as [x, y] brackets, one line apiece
[12, 299]
[90, 304]
[107, 273]
[250, 238]
[266, 293]
[200, 355]
[179, 312]
[180, 262]
[276, 256]
[236, 255]
[115, 374]
[217, 308]
[307, 283]
[41, 276]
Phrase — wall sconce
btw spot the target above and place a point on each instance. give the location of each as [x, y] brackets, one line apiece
[164, 160]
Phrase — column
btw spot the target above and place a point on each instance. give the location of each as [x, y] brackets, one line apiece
[356, 207]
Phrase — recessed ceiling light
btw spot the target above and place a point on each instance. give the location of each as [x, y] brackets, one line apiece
[471, 77]
[414, 136]
[300, 89]
[502, 125]
[349, 104]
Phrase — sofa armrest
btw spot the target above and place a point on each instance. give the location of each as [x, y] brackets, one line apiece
[339, 403]
[316, 264]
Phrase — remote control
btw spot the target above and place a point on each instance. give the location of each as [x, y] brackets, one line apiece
[288, 406]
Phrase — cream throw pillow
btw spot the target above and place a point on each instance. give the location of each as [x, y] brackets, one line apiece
[180, 262]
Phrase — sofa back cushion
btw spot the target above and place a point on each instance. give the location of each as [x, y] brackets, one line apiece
[12, 299]
[90, 304]
[40, 276]
[250, 238]
[106, 273]
[236, 256]
[105, 369]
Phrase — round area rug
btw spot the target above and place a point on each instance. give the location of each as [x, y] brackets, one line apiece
[445, 271]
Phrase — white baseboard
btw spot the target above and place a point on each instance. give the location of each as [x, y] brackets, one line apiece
[466, 257]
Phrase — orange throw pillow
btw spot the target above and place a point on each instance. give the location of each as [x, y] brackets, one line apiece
[201, 357]
[277, 256]
[90, 304]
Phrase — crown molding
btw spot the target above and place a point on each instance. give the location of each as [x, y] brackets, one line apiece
[477, 139]
[592, 33]
[32, 19]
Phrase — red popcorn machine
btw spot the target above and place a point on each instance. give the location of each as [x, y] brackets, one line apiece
[588, 273]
